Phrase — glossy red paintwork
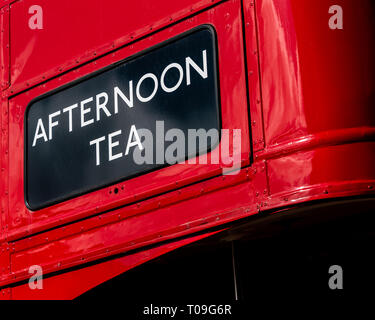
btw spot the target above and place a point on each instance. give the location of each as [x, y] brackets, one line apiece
[88, 276]
[332, 83]
[307, 90]
[4, 48]
[77, 31]
[24, 222]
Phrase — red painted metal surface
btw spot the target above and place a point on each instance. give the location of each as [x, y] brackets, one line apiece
[77, 31]
[4, 164]
[315, 79]
[72, 284]
[233, 92]
[4, 48]
[307, 90]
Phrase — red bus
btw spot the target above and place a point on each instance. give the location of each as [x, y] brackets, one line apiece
[224, 148]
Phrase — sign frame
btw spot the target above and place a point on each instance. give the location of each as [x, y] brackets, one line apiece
[111, 66]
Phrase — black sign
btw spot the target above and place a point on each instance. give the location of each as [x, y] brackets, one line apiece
[84, 136]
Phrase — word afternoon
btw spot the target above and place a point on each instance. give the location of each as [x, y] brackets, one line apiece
[93, 109]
